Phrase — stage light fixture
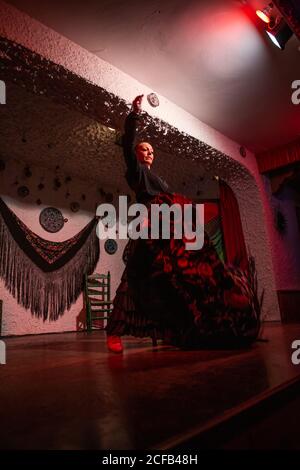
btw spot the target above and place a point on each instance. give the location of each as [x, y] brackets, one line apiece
[280, 33]
[276, 28]
[266, 13]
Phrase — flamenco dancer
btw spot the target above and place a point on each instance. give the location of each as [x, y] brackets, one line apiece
[188, 297]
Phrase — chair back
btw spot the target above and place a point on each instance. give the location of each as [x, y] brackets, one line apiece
[98, 300]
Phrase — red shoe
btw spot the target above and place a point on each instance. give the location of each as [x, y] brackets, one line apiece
[114, 344]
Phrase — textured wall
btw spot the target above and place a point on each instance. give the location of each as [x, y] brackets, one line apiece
[36, 129]
[241, 173]
[286, 247]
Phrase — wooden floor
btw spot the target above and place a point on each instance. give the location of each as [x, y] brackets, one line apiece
[64, 391]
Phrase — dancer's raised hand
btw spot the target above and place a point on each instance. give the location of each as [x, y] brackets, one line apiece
[137, 103]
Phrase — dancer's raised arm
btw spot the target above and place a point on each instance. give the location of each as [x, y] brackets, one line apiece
[129, 136]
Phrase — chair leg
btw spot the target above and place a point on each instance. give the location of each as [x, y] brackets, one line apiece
[89, 321]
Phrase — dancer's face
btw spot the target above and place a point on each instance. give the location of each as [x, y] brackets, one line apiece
[144, 153]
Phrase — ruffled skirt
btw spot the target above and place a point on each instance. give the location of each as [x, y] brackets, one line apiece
[189, 297]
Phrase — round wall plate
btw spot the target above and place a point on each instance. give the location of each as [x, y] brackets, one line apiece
[153, 100]
[74, 206]
[51, 219]
[23, 191]
[110, 246]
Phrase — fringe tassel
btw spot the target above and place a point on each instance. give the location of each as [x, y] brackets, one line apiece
[47, 295]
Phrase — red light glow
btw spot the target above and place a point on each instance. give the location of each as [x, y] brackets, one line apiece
[263, 16]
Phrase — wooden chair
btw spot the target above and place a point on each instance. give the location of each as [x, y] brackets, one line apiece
[98, 301]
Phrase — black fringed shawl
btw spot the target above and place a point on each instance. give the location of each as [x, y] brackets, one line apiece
[44, 276]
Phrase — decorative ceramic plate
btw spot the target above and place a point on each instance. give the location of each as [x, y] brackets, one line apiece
[110, 246]
[74, 206]
[153, 100]
[51, 219]
[23, 191]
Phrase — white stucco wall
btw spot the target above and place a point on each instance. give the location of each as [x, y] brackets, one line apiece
[249, 189]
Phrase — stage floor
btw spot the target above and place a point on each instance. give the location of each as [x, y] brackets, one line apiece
[65, 391]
